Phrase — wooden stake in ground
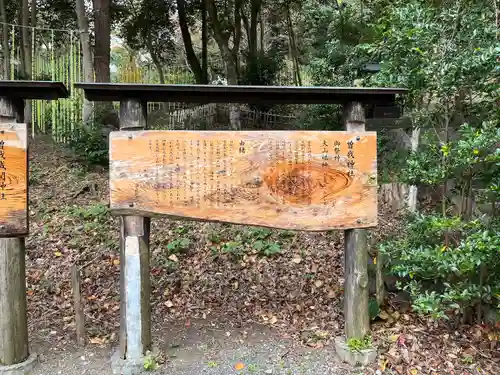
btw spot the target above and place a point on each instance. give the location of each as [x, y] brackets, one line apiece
[135, 305]
[77, 299]
[13, 319]
[357, 319]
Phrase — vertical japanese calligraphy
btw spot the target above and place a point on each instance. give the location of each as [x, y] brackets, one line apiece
[3, 169]
[295, 180]
[350, 157]
[13, 180]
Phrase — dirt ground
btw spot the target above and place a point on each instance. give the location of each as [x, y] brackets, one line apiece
[203, 348]
[211, 283]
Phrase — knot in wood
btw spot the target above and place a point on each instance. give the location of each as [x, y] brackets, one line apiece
[306, 183]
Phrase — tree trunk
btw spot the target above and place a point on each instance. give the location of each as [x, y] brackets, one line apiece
[33, 24]
[88, 68]
[237, 36]
[25, 37]
[155, 59]
[102, 47]
[192, 59]
[232, 79]
[222, 40]
[26, 53]
[254, 19]
[5, 41]
[293, 49]
[262, 45]
[204, 42]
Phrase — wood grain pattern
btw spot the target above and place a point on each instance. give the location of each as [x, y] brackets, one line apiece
[13, 180]
[301, 180]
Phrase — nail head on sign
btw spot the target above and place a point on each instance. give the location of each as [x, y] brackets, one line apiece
[130, 136]
[358, 138]
[358, 221]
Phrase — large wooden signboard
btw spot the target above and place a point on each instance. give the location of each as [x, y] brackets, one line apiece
[13, 180]
[302, 180]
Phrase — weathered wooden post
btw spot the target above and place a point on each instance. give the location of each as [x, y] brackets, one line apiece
[135, 304]
[14, 353]
[135, 310]
[357, 321]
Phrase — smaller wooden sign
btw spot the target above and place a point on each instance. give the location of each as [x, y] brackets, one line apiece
[302, 180]
[13, 180]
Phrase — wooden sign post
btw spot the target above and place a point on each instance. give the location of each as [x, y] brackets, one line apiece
[14, 217]
[295, 180]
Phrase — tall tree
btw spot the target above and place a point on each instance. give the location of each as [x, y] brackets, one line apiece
[102, 48]
[26, 66]
[26, 43]
[204, 41]
[192, 59]
[5, 41]
[152, 31]
[225, 26]
[88, 68]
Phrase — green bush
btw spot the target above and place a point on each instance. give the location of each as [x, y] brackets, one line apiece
[89, 145]
[447, 265]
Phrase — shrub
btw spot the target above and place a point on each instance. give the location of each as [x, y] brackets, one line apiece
[450, 264]
[89, 145]
[447, 265]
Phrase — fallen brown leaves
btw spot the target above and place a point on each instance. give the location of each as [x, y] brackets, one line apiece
[297, 291]
[412, 345]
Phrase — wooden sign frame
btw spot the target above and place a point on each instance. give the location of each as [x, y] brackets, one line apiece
[135, 223]
[296, 180]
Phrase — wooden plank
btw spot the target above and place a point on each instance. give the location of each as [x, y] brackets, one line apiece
[13, 180]
[277, 179]
[105, 91]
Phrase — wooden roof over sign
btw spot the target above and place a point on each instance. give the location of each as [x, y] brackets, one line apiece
[47, 90]
[239, 94]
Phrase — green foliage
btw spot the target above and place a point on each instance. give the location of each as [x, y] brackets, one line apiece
[390, 159]
[321, 117]
[152, 31]
[447, 265]
[450, 264]
[261, 70]
[89, 145]
[179, 245]
[212, 364]
[267, 248]
[357, 345]
[373, 309]
[474, 155]
[150, 362]
[258, 233]
[97, 212]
